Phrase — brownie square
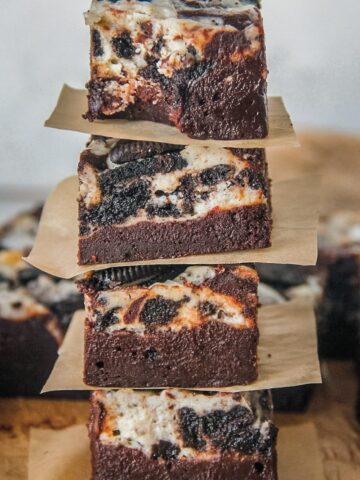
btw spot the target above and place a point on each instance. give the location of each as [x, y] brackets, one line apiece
[144, 200]
[200, 66]
[178, 435]
[196, 329]
[35, 310]
[29, 340]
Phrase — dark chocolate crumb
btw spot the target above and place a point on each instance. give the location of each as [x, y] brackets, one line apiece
[116, 433]
[123, 45]
[165, 450]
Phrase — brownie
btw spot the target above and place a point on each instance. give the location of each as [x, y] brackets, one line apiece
[60, 296]
[178, 435]
[197, 65]
[19, 232]
[29, 339]
[194, 330]
[339, 268]
[35, 310]
[145, 200]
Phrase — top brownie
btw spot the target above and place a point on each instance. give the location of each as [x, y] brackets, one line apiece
[200, 66]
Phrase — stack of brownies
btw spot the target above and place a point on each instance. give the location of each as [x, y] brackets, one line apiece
[175, 334]
[199, 66]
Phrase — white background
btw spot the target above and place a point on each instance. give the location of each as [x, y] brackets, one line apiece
[313, 55]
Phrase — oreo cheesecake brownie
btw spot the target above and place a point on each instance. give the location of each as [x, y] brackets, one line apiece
[60, 296]
[191, 328]
[19, 232]
[198, 65]
[144, 200]
[176, 435]
[339, 268]
[29, 339]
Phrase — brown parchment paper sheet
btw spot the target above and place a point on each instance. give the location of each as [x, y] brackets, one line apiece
[65, 455]
[287, 351]
[72, 104]
[294, 236]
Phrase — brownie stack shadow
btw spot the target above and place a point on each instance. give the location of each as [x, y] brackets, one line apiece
[154, 334]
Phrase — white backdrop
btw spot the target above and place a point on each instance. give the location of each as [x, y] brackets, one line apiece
[313, 55]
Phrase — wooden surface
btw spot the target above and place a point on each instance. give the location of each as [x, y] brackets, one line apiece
[17, 416]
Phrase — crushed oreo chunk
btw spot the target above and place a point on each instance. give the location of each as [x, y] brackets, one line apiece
[123, 45]
[127, 151]
[253, 179]
[105, 321]
[191, 428]
[214, 175]
[122, 203]
[113, 277]
[159, 311]
[233, 430]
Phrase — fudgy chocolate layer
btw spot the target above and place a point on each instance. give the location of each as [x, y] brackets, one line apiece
[27, 354]
[111, 462]
[211, 355]
[224, 231]
[205, 105]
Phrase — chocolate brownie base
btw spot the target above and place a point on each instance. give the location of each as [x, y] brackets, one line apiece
[27, 354]
[238, 229]
[212, 355]
[117, 462]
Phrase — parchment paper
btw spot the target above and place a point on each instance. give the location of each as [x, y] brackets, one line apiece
[287, 351]
[294, 236]
[72, 104]
[65, 455]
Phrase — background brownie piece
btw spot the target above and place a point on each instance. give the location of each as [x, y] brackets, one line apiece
[35, 311]
[200, 66]
[29, 340]
[278, 284]
[19, 232]
[339, 268]
[175, 434]
[143, 200]
[60, 296]
[197, 329]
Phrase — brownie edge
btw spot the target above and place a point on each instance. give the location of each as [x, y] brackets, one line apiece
[217, 355]
[238, 229]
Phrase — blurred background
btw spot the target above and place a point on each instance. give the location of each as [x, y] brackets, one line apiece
[313, 55]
